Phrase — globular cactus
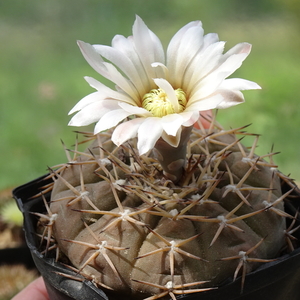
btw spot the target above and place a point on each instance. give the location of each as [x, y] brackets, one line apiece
[154, 207]
[136, 233]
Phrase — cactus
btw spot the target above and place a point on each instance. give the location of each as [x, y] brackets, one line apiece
[119, 221]
[155, 207]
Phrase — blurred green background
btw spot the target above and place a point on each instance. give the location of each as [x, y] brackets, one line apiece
[42, 69]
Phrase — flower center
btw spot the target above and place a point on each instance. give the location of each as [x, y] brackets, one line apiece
[157, 102]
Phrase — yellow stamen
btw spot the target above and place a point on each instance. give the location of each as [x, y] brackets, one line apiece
[157, 102]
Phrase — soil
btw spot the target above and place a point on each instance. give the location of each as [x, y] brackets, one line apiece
[15, 276]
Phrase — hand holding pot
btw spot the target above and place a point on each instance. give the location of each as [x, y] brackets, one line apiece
[36, 290]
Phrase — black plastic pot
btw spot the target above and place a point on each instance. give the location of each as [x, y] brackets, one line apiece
[275, 280]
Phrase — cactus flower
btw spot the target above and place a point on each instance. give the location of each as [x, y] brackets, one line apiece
[160, 92]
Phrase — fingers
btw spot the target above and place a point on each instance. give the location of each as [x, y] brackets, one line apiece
[36, 290]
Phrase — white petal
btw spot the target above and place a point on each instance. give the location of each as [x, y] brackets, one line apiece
[92, 113]
[171, 123]
[150, 40]
[202, 65]
[237, 49]
[110, 119]
[181, 56]
[209, 39]
[135, 110]
[166, 86]
[172, 140]
[123, 62]
[106, 69]
[126, 131]
[161, 70]
[91, 98]
[209, 58]
[205, 104]
[149, 49]
[105, 90]
[212, 62]
[207, 86]
[213, 81]
[189, 117]
[148, 134]
[93, 58]
[232, 63]
[231, 98]
[159, 53]
[238, 84]
[126, 46]
[176, 40]
[122, 82]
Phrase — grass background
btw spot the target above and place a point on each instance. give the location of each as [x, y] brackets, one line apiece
[42, 69]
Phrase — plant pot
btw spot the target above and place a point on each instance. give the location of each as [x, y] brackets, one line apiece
[275, 280]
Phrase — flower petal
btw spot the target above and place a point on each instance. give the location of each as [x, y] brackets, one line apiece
[166, 86]
[110, 119]
[205, 62]
[209, 39]
[126, 131]
[171, 123]
[161, 70]
[123, 62]
[172, 140]
[107, 69]
[105, 90]
[238, 49]
[93, 58]
[231, 98]
[189, 117]
[147, 141]
[135, 110]
[206, 104]
[213, 63]
[207, 86]
[232, 63]
[239, 84]
[91, 98]
[126, 46]
[122, 82]
[92, 113]
[182, 51]
[147, 45]
[210, 83]
[176, 40]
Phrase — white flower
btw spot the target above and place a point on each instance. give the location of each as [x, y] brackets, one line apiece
[164, 91]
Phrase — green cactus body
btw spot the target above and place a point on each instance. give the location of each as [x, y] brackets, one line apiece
[134, 232]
